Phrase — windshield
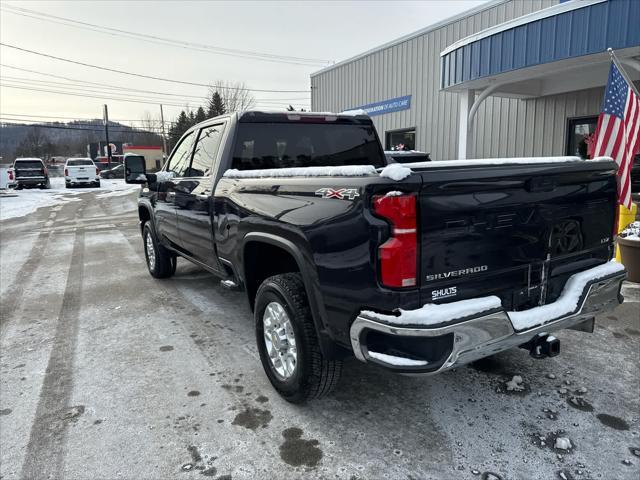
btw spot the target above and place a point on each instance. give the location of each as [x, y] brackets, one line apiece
[79, 162]
[283, 145]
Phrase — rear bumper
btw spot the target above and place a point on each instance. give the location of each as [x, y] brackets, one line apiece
[471, 338]
[30, 180]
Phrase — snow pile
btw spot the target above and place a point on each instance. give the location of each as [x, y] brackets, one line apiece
[20, 203]
[432, 314]
[515, 384]
[341, 171]
[394, 193]
[563, 443]
[631, 232]
[567, 303]
[395, 171]
[164, 176]
[502, 161]
[397, 361]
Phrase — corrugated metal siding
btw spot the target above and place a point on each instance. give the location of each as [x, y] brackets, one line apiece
[413, 68]
[569, 34]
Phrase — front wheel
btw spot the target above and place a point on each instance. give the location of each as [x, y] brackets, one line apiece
[160, 262]
[288, 342]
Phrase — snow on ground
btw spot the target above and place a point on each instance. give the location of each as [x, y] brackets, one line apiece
[19, 203]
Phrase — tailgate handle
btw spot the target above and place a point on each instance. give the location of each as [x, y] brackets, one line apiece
[541, 184]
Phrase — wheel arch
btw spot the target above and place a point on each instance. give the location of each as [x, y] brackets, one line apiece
[263, 242]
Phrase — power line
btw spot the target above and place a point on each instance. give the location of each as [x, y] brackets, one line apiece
[103, 97]
[75, 118]
[119, 90]
[110, 86]
[167, 41]
[59, 127]
[76, 123]
[151, 77]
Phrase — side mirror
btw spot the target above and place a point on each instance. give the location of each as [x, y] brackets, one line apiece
[135, 169]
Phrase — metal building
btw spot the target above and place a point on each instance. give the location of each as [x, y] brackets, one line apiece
[510, 78]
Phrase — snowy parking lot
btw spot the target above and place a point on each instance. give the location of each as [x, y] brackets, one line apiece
[108, 373]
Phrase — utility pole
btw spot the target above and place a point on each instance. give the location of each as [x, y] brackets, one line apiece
[164, 138]
[106, 133]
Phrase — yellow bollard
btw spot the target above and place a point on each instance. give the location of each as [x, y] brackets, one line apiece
[625, 218]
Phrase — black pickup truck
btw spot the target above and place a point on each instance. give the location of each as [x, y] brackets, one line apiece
[417, 268]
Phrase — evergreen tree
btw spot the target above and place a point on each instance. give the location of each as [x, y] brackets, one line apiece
[200, 115]
[216, 105]
[176, 131]
[290, 108]
[192, 119]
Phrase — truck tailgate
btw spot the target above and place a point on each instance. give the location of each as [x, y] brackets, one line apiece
[517, 231]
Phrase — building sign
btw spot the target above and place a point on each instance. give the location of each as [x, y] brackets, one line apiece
[386, 106]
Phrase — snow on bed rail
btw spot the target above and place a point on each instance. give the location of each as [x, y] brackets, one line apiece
[341, 171]
[432, 314]
[395, 171]
[502, 161]
[567, 303]
[397, 361]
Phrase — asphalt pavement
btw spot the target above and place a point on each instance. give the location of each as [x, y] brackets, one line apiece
[107, 373]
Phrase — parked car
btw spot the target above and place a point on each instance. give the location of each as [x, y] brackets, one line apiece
[115, 172]
[81, 171]
[30, 172]
[417, 270]
[406, 156]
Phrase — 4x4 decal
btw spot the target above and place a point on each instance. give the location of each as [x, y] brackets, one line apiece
[340, 194]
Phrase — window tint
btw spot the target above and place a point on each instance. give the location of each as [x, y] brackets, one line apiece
[179, 162]
[28, 164]
[206, 151]
[281, 145]
[81, 161]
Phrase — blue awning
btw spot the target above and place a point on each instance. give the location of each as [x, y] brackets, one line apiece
[569, 34]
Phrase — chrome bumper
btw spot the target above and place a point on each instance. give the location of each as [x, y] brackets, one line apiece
[486, 334]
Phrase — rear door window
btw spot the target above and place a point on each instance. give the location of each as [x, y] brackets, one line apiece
[206, 151]
[282, 145]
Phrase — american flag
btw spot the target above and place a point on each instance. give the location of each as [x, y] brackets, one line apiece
[618, 130]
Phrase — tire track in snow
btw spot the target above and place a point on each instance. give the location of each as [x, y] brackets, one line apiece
[45, 453]
[12, 299]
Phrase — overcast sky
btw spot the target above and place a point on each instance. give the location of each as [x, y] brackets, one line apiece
[330, 31]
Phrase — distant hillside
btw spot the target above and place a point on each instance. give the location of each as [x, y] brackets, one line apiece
[65, 139]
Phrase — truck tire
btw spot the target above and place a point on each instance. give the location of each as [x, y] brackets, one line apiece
[160, 261]
[282, 320]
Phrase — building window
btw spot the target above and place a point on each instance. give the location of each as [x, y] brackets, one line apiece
[404, 139]
[580, 136]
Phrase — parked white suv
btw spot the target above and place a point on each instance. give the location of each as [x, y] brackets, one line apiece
[81, 171]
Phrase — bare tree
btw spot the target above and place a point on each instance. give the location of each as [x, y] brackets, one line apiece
[235, 95]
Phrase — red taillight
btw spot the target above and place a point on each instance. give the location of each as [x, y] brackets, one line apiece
[10, 172]
[398, 256]
[616, 221]
[45, 171]
[97, 171]
[66, 172]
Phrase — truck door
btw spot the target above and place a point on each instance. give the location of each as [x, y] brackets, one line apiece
[166, 221]
[194, 200]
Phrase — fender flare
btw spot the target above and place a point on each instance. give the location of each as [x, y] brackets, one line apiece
[309, 278]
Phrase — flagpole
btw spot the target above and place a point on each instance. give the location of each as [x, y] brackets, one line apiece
[623, 72]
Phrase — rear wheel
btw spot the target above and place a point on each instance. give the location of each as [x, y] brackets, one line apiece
[288, 343]
[160, 262]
